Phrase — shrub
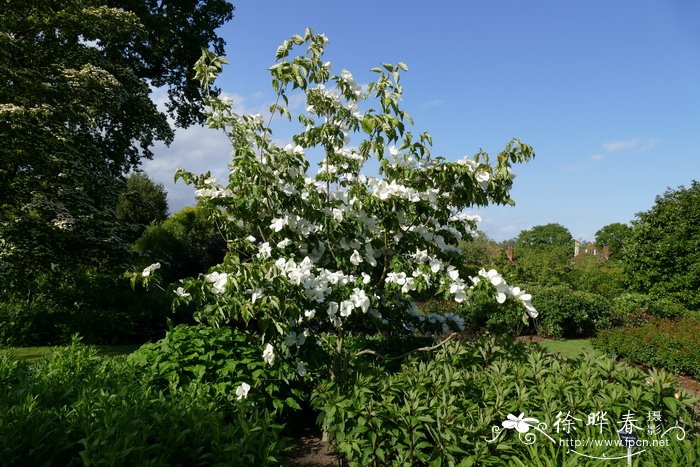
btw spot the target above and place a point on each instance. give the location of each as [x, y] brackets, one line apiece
[77, 408]
[219, 360]
[441, 408]
[570, 313]
[635, 309]
[673, 345]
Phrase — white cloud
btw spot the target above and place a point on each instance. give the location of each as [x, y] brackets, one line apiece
[433, 103]
[196, 149]
[597, 157]
[636, 145]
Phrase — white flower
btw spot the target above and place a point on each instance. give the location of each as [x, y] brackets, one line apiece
[332, 308]
[269, 354]
[522, 425]
[265, 251]
[309, 314]
[284, 243]
[147, 272]
[394, 151]
[360, 299]
[250, 238]
[242, 391]
[355, 258]
[301, 369]
[453, 273]
[483, 179]
[435, 265]
[278, 224]
[346, 307]
[218, 280]
[257, 293]
[365, 278]
[180, 292]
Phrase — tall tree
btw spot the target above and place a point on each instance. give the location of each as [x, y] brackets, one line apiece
[141, 202]
[75, 114]
[662, 257]
[545, 236]
[614, 237]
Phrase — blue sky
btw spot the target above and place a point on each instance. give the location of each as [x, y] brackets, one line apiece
[607, 93]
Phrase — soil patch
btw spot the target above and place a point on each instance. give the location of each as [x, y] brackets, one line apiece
[311, 451]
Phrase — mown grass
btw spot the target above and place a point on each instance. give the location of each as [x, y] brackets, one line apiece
[570, 348]
[32, 354]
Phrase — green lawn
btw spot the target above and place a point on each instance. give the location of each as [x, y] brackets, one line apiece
[570, 348]
[32, 354]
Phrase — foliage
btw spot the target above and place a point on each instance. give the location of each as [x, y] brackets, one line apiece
[660, 343]
[662, 257]
[479, 251]
[186, 244]
[545, 236]
[75, 114]
[219, 360]
[100, 309]
[614, 236]
[440, 408]
[339, 251]
[141, 202]
[635, 309]
[76, 408]
[570, 313]
[590, 274]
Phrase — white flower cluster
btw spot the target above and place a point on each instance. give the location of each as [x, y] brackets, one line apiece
[317, 282]
[435, 318]
[295, 223]
[212, 190]
[504, 290]
[358, 299]
[218, 281]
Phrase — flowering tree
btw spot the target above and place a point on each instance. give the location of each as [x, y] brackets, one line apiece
[344, 249]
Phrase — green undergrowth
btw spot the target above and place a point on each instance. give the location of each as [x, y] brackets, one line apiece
[77, 407]
[442, 408]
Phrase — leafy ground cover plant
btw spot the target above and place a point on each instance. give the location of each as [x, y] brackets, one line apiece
[220, 360]
[660, 343]
[442, 408]
[78, 408]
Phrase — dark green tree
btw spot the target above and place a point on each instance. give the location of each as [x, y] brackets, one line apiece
[542, 256]
[545, 236]
[141, 202]
[614, 237]
[662, 256]
[76, 114]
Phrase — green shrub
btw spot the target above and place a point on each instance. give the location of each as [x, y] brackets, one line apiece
[219, 359]
[77, 408]
[673, 345]
[635, 309]
[101, 309]
[570, 313]
[441, 408]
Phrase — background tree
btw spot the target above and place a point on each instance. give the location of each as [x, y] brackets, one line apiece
[662, 257]
[545, 236]
[75, 114]
[186, 244]
[141, 202]
[542, 256]
[613, 236]
[479, 251]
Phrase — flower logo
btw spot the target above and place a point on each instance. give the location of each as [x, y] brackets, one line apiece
[521, 424]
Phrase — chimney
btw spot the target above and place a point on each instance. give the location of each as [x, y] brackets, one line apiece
[577, 246]
[606, 252]
[509, 253]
